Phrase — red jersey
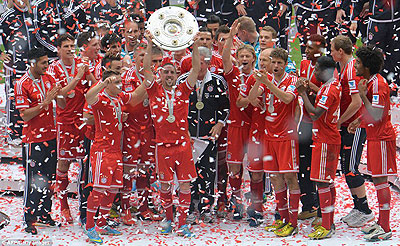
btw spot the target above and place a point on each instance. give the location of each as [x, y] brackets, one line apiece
[176, 131]
[280, 124]
[237, 116]
[325, 128]
[139, 116]
[216, 65]
[29, 94]
[258, 114]
[72, 113]
[349, 82]
[106, 111]
[98, 71]
[90, 129]
[378, 94]
[307, 71]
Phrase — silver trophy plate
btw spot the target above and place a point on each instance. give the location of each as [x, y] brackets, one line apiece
[173, 28]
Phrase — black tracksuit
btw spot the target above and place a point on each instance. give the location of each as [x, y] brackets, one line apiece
[216, 109]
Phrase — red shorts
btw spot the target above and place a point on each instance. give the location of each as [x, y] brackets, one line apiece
[255, 152]
[107, 169]
[238, 138]
[324, 162]
[175, 159]
[138, 147]
[381, 158]
[281, 157]
[70, 142]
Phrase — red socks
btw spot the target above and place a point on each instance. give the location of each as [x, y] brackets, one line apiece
[184, 204]
[142, 186]
[256, 195]
[62, 184]
[325, 202]
[105, 206]
[282, 205]
[92, 204]
[333, 199]
[384, 197]
[236, 184]
[166, 199]
[294, 199]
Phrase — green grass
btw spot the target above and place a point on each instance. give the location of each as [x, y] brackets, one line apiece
[295, 52]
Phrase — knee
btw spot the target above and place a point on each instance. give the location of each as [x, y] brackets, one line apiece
[165, 187]
[184, 186]
[257, 177]
[291, 180]
[234, 169]
[354, 181]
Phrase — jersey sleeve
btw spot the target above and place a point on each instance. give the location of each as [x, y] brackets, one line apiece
[186, 65]
[185, 88]
[353, 81]
[291, 88]
[21, 96]
[379, 97]
[125, 97]
[326, 100]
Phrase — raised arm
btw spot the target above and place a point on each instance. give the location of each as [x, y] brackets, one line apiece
[314, 112]
[226, 53]
[92, 94]
[148, 74]
[194, 73]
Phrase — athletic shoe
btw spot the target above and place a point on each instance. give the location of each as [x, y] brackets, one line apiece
[126, 218]
[222, 211]
[255, 218]
[93, 235]
[113, 213]
[238, 209]
[316, 222]
[352, 214]
[306, 214]
[321, 232]
[82, 222]
[30, 228]
[166, 227]
[378, 235]
[48, 221]
[107, 230]
[207, 217]
[66, 214]
[278, 224]
[370, 229]
[287, 230]
[191, 219]
[149, 215]
[184, 231]
[361, 220]
[113, 223]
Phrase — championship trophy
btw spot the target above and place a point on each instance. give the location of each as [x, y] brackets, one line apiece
[173, 28]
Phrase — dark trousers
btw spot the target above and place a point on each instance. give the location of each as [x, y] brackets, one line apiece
[309, 195]
[308, 23]
[14, 120]
[350, 155]
[85, 178]
[203, 186]
[383, 36]
[40, 173]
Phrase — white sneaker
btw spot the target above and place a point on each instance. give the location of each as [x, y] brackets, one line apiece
[361, 220]
[378, 235]
[370, 229]
[191, 219]
[207, 218]
[349, 217]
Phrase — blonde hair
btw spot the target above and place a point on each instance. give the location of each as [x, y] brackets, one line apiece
[247, 24]
[247, 47]
[10, 4]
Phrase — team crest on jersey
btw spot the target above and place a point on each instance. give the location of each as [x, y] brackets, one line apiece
[62, 152]
[243, 87]
[128, 88]
[178, 93]
[375, 99]
[370, 36]
[323, 99]
[20, 100]
[161, 175]
[32, 163]
[103, 180]
[48, 85]
[210, 88]
[206, 95]
[213, 69]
